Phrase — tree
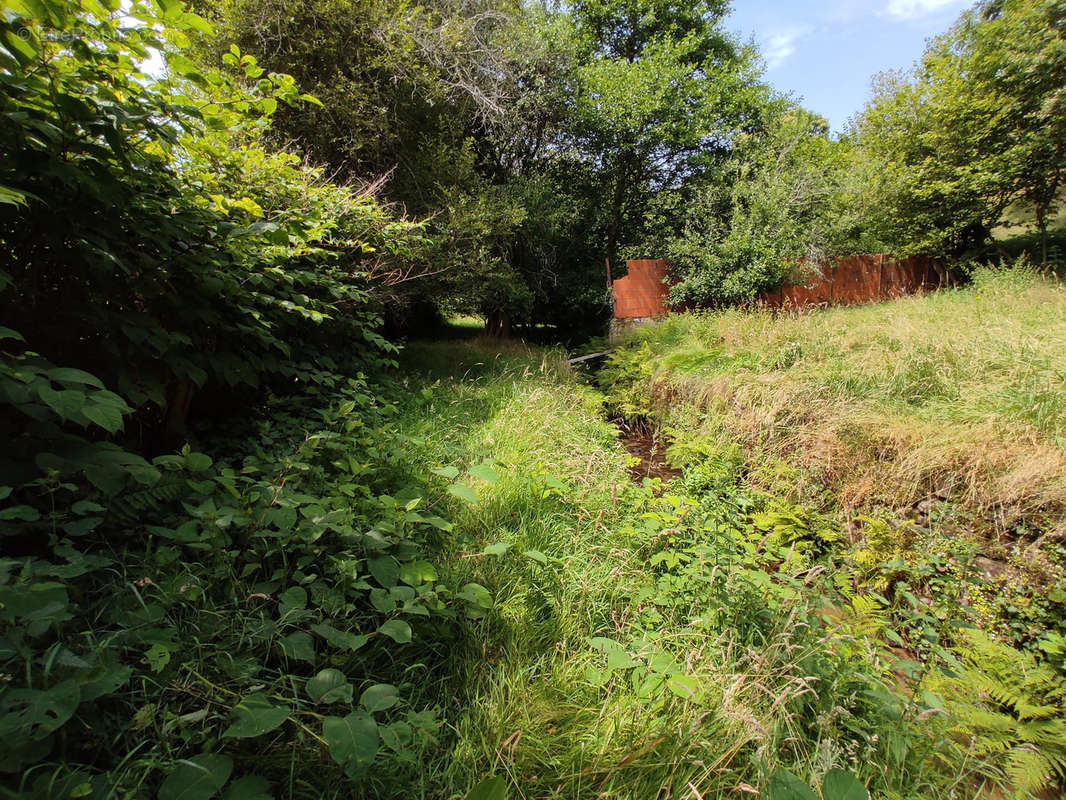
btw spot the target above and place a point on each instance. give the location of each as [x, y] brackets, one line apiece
[774, 201]
[534, 140]
[662, 91]
[979, 124]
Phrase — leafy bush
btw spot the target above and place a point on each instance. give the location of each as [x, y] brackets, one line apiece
[159, 612]
[270, 599]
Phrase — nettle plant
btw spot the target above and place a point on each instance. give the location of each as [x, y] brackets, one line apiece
[271, 600]
[175, 622]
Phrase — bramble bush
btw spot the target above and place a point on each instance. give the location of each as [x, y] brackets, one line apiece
[173, 622]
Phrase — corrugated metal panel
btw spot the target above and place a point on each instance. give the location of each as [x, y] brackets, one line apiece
[844, 281]
[642, 292]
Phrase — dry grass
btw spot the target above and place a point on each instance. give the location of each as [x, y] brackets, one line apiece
[960, 394]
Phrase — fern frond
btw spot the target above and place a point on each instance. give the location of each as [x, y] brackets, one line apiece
[1028, 769]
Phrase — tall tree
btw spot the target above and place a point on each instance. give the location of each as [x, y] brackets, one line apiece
[979, 124]
[774, 201]
[663, 85]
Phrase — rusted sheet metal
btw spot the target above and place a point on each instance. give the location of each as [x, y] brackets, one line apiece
[642, 292]
[843, 281]
[855, 279]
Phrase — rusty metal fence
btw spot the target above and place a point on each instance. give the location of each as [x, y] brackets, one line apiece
[642, 293]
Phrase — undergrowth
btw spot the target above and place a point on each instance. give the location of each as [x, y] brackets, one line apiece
[884, 447]
[693, 642]
[456, 590]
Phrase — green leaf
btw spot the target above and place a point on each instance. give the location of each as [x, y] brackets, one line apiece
[414, 573]
[485, 473]
[463, 492]
[536, 555]
[439, 523]
[330, 686]
[397, 630]
[842, 785]
[35, 713]
[476, 594]
[292, 599]
[300, 646]
[82, 526]
[449, 472]
[250, 787]
[386, 571]
[352, 739]
[496, 549]
[379, 697]
[24, 513]
[24, 50]
[197, 23]
[197, 778]
[786, 786]
[684, 686]
[198, 462]
[106, 416]
[254, 716]
[67, 375]
[342, 639]
[489, 789]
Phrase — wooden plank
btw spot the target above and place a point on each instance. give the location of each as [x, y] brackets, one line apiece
[589, 357]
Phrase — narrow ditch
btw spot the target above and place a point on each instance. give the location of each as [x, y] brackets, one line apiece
[641, 438]
[647, 443]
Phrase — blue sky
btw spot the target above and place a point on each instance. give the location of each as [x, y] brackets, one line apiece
[825, 53]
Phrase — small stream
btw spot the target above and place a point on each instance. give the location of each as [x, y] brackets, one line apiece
[640, 437]
[649, 444]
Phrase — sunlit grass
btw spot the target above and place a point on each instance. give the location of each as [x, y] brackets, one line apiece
[520, 700]
[959, 393]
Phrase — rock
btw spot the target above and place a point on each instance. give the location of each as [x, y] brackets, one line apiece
[991, 568]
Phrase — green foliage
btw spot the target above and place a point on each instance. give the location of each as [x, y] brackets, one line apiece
[535, 140]
[1008, 709]
[757, 528]
[274, 590]
[189, 256]
[974, 128]
[775, 200]
[837, 785]
[158, 611]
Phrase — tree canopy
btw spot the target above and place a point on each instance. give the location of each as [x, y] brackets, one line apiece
[976, 126]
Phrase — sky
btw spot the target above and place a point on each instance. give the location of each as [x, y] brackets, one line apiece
[826, 52]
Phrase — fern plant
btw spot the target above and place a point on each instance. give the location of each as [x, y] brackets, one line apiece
[1009, 710]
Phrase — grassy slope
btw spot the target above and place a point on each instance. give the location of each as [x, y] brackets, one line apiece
[960, 395]
[929, 432]
[701, 690]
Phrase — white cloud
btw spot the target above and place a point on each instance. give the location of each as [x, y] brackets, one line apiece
[916, 9]
[779, 45]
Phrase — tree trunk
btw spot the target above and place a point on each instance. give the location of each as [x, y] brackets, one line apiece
[1041, 225]
[176, 413]
[498, 324]
[614, 226]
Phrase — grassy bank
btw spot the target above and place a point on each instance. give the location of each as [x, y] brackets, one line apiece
[958, 395]
[915, 450]
[636, 645]
[452, 588]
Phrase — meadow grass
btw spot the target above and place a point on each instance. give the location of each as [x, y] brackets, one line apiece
[958, 394]
[701, 701]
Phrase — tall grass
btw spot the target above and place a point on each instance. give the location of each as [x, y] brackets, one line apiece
[959, 394]
[708, 692]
